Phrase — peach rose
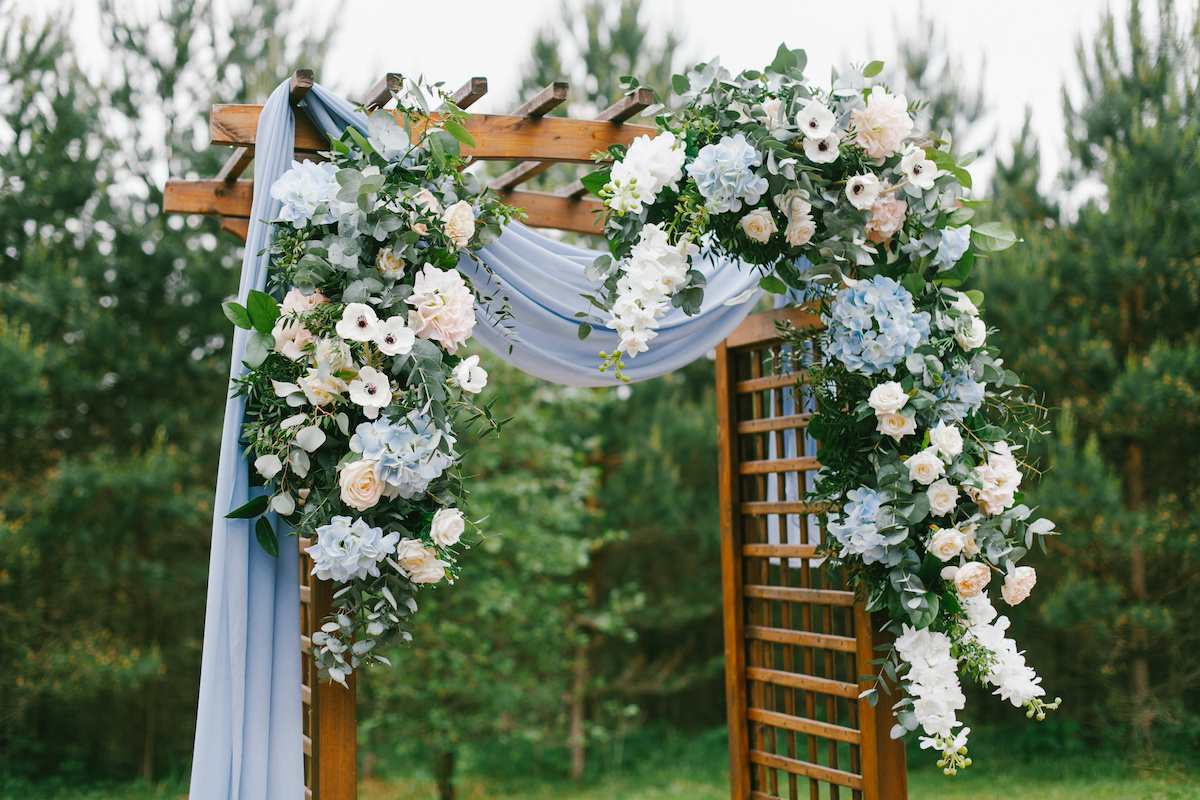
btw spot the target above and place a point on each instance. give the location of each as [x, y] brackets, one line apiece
[1018, 584]
[971, 578]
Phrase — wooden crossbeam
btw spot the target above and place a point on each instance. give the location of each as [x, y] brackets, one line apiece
[214, 198]
[466, 95]
[301, 82]
[543, 103]
[498, 137]
[378, 95]
[548, 211]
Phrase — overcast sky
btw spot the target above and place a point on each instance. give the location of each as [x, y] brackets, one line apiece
[1021, 50]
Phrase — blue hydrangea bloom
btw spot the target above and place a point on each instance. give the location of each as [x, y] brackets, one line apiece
[858, 530]
[953, 246]
[307, 191]
[873, 326]
[407, 451]
[724, 174]
[958, 396]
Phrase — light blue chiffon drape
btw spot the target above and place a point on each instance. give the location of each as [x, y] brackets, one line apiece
[248, 728]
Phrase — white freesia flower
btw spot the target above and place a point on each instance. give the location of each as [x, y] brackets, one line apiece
[816, 120]
[916, 166]
[759, 225]
[947, 439]
[822, 151]
[358, 323]
[371, 390]
[469, 376]
[925, 467]
[863, 190]
[943, 497]
[888, 398]
[447, 527]
[393, 337]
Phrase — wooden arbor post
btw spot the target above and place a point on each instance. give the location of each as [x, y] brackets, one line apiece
[796, 642]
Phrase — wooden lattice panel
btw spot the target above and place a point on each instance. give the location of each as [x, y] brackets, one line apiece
[796, 641]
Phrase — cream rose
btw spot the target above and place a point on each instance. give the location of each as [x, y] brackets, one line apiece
[296, 302]
[321, 391]
[1018, 584]
[427, 202]
[420, 562]
[759, 225]
[801, 226]
[896, 426]
[947, 544]
[335, 354]
[971, 548]
[925, 467]
[460, 223]
[771, 110]
[971, 578]
[947, 439]
[888, 398]
[361, 484]
[447, 527]
[291, 337]
[970, 332]
[391, 265]
[943, 497]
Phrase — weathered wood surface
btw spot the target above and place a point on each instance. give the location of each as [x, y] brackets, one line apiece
[548, 211]
[498, 137]
[539, 105]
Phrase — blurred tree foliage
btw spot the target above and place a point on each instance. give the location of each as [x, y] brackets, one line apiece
[1100, 314]
[115, 346]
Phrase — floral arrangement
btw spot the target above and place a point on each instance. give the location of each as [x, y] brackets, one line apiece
[356, 386]
[835, 197]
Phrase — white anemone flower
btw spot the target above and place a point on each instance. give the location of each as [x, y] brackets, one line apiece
[393, 337]
[822, 151]
[816, 120]
[358, 323]
[469, 376]
[371, 390]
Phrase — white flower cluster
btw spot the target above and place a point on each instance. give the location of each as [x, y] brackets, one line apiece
[347, 549]
[654, 271]
[649, 166]
[998, 480]
[1015, 681]
[932, 680]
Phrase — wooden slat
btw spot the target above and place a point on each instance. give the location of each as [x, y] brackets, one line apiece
[760, 507]
[797, 594]
[215, 198]
[761, 328]
[334, 722]
[380, 93]
[307, 742]
[305, 643]
[547, 211]
[810, 727]
[498, 137]
[883, 764]
[768, 382]
[731, 579]
[625, 108]
[778, 465]
[787, 423]
[808, 770]
[236, 164]
[466, 95]
[238, 227]
[307, 793]
[802, 638]
[779, 550]
[543, 103]
[305, 594]
[305, 695]
[808, 683]
[299, 86]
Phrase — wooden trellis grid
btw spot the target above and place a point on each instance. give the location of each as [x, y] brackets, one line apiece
[794, 644]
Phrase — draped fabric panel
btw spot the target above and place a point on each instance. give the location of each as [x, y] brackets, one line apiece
[248, 729]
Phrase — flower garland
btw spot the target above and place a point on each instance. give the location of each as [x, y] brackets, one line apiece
[356, 388]
[833, 197]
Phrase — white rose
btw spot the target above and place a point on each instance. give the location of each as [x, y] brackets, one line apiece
[947, 439]
[943, 497]
[863, 190]
[887, 398]
[469, 376]
[947, 544]
[420, 562]
[759, 225]
[801, 226]
[971, 578]
[925, 467]
[896, 426]
[964, 304]
[358, 323]
[391, 265]
[447, 527]
[425, 200]
[1018, 584]
[361, 484]
[771, 110]
[460, 223]
[970, 332]
[321, 391]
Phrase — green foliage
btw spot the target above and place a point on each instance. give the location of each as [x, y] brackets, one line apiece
[1100, 315]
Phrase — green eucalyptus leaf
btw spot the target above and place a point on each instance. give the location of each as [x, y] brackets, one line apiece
[258, 347]
[458, 132]
[993, 236]
[773, 285]
[872, 69]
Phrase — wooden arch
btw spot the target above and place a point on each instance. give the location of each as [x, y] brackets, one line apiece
[796, 645]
